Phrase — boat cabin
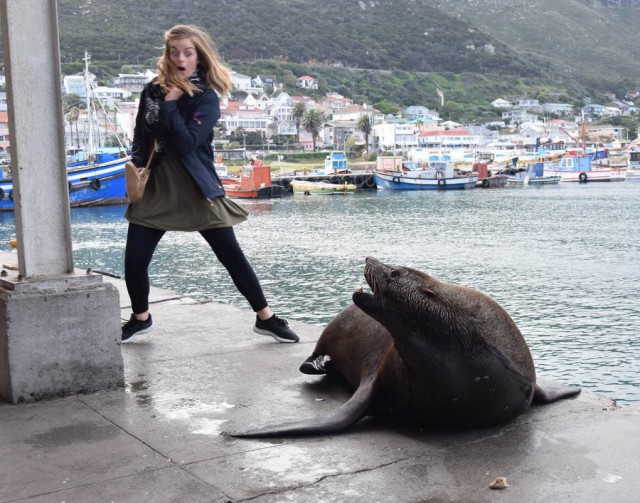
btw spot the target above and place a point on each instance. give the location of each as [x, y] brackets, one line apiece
[335, 163]
[575, 163]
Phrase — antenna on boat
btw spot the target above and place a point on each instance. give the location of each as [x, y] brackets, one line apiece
[87, 86]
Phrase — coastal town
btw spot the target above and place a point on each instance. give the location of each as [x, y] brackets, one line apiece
[259, 104]
[527, 142]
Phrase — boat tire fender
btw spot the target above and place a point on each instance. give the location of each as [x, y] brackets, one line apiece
[95, 184]
[2, 194]
[286, 185]
[396, 179]
[485, 183]
[442, 182]
[582, 177]
[370, 182]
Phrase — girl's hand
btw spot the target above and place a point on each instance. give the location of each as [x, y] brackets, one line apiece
[175, 93]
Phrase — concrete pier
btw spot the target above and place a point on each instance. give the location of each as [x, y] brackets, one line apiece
[203, 371]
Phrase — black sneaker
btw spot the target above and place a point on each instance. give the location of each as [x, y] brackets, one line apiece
[276, 328]
[135, 327]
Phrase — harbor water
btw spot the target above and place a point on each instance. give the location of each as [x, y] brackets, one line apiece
[563, 260]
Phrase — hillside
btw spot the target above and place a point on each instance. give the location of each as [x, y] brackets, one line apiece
[410, 35]
[384, 50]
[575, 39]
[592, 41]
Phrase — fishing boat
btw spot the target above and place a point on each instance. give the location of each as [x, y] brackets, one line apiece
[95, 176]
[632, 172]
[486, 180]
[422, 176]
[578, 167]
[533, 175]
[254, 183]
[309, 187]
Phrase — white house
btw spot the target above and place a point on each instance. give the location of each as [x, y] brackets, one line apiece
[500, 103]
[417, 112]
[75, 84]
[110, 95]
[557, 108]
[450, 138]
[395, 134]
[308, 102]
[518, 115]
[266, 82]
[236, 114]
[335, 101]
[307, 82]
[259, 100]
[133, 82]
[354, 112]
[240, 81]
[526, 103]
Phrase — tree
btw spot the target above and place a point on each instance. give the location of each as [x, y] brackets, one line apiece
[364, 125]
[312, 121]
[72, 117]
[387, 108]
[298, 112]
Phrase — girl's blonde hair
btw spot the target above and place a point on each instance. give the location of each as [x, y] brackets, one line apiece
[217, 75]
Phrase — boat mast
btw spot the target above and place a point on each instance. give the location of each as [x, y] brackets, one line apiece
[87, 86]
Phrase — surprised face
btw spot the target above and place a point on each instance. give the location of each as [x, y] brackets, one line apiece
[183, 55]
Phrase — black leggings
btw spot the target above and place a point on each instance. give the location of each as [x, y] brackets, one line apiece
[142, 242]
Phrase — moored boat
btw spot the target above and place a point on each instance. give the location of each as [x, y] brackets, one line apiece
[632, 172]
[532, 175]
[308, 187]
[254, 183]
[579, 168]
[486, 180]
[422, 176]
[99, 181]
[95, 176]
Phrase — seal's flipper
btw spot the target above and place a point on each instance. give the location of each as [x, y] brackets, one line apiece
[316, 365]
[344, 416]
[552, 392]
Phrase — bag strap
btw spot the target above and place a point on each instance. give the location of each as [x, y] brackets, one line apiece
[153, 151]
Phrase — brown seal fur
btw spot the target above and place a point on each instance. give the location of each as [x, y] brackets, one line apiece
[440, 354]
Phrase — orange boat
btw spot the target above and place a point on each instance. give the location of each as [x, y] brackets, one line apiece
[254, 183]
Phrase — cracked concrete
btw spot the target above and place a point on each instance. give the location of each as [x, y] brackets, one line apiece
[203, 372]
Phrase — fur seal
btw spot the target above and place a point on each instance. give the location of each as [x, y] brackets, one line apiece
[439, 354]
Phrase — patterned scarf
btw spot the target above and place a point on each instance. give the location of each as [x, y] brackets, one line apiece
[154, 96]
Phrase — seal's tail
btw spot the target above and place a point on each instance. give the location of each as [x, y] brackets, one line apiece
[341, 418]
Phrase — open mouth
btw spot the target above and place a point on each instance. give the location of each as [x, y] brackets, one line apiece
[372, 300]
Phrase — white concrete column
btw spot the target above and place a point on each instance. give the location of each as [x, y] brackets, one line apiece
[59, 328]
[38, 160]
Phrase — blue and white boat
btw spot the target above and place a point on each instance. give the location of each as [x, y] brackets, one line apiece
[424, 176]
[576, 167]
[534, 174]
[96, 182]
[95, 176]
